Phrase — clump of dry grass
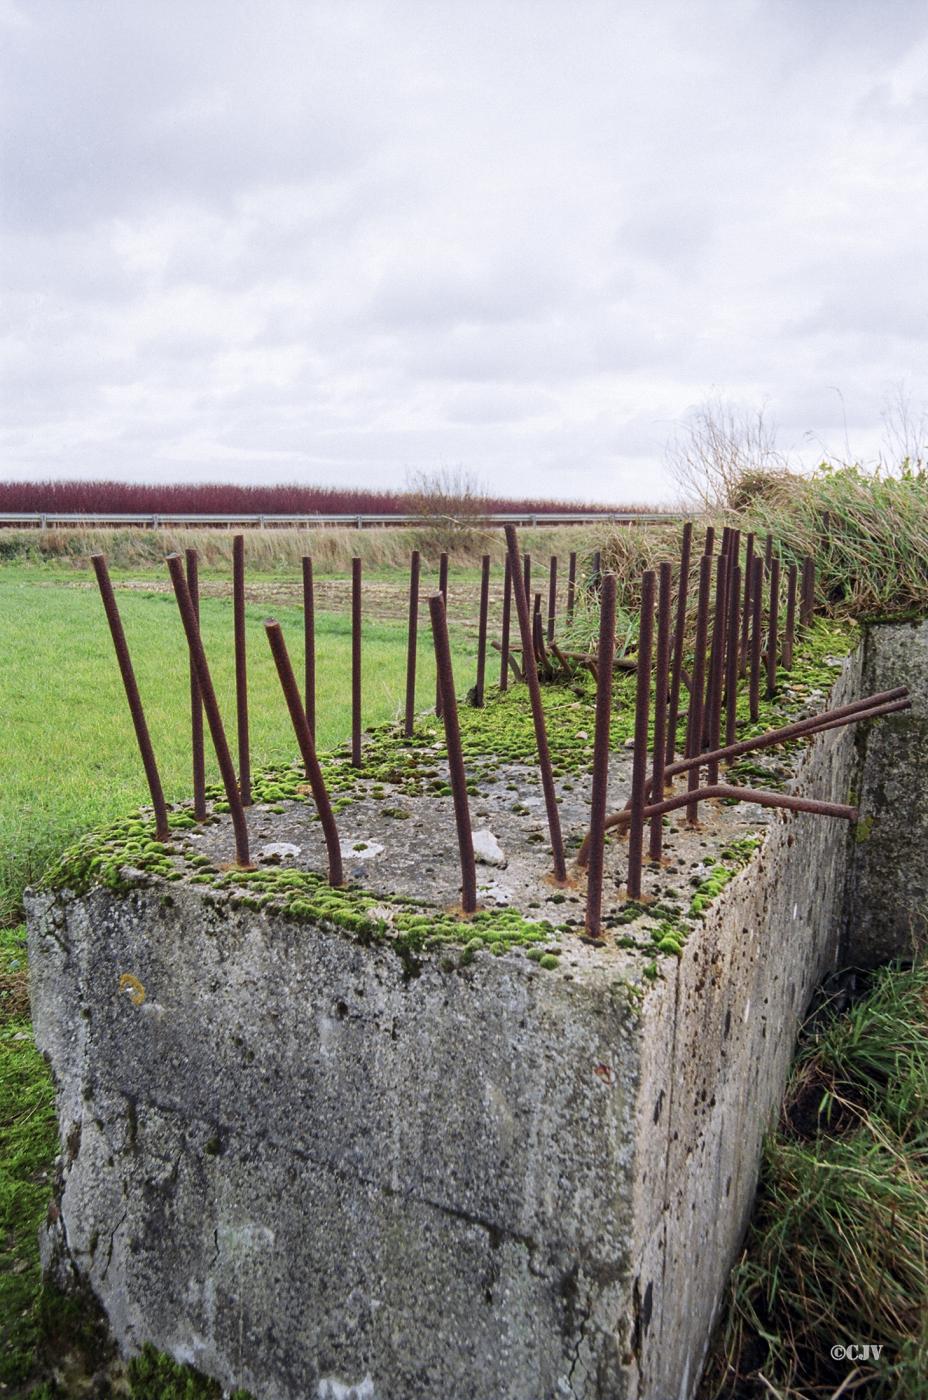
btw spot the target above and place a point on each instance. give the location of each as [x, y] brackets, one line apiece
[868, 533]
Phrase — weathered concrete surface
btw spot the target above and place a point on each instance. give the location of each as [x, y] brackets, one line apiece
[886, 914]
[309, 1173]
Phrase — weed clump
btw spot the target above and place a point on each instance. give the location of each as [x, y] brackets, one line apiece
[838, 1251]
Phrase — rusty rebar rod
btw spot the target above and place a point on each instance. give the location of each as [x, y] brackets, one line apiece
[871, 707]
[713, 705]
[527, 574]
[808, 591]
[304, 737]
[768, 553]
[773, 623]
[443, 590]
[552, 596]
[412, 641]
[538, 635]
[732, 656]
[679, 635]
[211, 706]
[694, 718]
[309, 643]
[241, 667]
[748, 578]
[482, 629]
[710, 540]
[457, 776]
[137, 713]
[789, 633]
[538, 714]
[605, 653]
[597, 570]
[504, 642]
[762, 798]
[757, 606]
[356, 618]
[196, 704]
[640, 755]
[571, 585]
[661, 676]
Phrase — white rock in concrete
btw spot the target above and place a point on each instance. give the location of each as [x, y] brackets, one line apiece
[487, 849]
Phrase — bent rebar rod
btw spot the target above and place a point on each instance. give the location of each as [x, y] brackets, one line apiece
[538, 714]
[210, 705]
[143, 738]
[449, 714]
[304, 737]
[883, 703]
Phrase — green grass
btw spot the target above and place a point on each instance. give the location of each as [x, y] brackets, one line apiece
[67, 749]
[838, 1249]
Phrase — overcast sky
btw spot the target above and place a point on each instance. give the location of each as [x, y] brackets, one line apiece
[339, 242]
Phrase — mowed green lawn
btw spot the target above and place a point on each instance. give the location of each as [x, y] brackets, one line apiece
[68, 757]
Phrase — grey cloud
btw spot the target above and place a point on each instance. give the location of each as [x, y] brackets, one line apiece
[253, 241]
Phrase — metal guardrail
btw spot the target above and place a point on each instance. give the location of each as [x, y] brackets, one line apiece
[44, 520]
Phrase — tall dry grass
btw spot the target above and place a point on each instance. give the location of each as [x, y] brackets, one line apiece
[280, 551]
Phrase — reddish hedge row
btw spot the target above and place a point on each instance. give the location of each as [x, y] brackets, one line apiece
[124, 498]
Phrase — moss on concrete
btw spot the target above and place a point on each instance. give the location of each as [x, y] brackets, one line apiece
[127, 853]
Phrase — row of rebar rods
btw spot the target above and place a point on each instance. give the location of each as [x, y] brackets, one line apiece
[640, 756]
[198, 756]
[210, 705]
[870, 707]
[604, 656]
[137, 713]
[304, 738]
[538, 718]
[458, 778]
